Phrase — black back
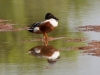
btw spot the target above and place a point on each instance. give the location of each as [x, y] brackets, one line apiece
[32, 26]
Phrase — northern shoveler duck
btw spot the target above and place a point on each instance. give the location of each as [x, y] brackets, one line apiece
[49, 52]
[44, 27]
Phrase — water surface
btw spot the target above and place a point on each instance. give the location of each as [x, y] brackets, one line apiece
[14, 45]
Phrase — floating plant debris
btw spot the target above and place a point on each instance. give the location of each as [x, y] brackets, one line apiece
[93, 48]
[40, 39]
[1, 20]
[76, 40]
[95, 28]
[6, 26]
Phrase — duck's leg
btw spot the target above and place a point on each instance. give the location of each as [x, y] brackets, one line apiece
[45, 39]
[46, 42]
[45, 36]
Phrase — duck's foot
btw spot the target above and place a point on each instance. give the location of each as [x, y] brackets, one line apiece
[47, 39]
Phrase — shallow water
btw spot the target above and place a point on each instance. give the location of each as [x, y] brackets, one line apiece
[15, 44]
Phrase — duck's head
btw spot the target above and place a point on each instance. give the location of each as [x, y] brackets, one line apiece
[49, 16]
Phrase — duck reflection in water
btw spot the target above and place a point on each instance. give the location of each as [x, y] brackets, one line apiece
[49, 52]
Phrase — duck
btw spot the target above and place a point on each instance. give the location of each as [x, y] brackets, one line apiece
[49, 52]
[44, 27]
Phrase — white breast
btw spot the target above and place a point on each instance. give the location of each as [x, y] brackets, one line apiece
[53, 22]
